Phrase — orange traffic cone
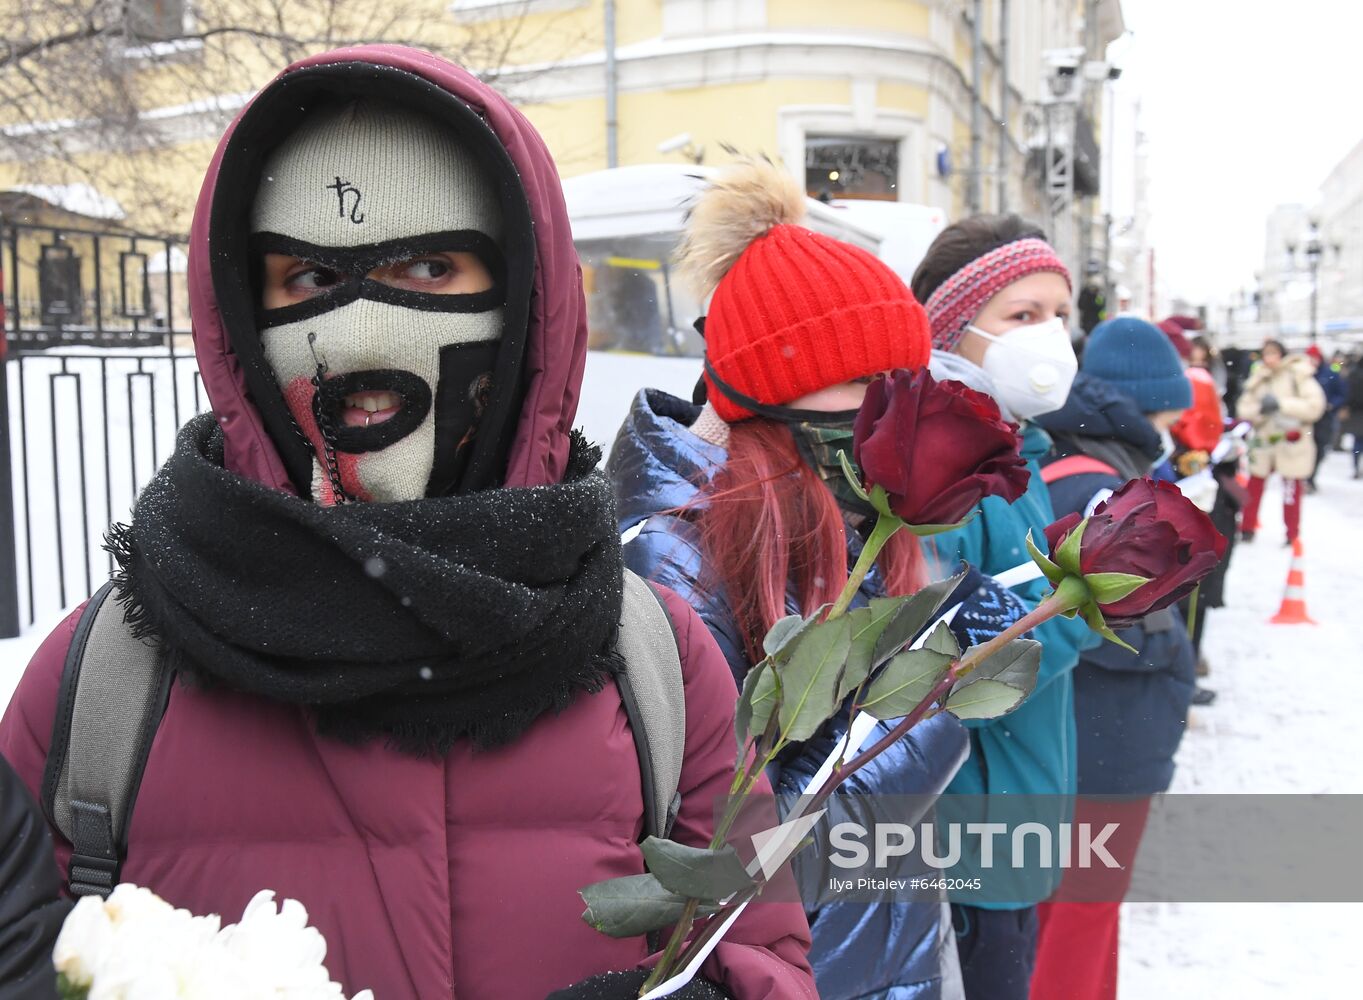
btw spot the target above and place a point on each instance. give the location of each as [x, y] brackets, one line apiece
[1293, 610]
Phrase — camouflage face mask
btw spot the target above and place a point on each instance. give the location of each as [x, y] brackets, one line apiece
[820, 444]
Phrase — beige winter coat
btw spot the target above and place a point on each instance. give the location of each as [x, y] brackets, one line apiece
[1301, 403]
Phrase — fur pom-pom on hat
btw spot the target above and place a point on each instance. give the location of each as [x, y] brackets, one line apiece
[792, 311]
[745, 202]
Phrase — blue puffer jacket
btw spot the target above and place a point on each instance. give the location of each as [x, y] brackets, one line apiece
[1031, 750]
[1334, 386]
[882, 952]
[1130, 709]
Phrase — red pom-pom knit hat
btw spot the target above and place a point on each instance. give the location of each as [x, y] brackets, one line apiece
[793, 311]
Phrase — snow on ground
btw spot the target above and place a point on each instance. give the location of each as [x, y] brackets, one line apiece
[1282, 723]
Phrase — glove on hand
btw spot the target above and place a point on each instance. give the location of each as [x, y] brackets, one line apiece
[1269, 405]
[625, 986]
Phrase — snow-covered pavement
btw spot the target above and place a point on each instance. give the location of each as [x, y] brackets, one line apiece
[1285, 721]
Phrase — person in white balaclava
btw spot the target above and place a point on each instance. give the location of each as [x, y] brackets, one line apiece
[379, 589]
[381, 292]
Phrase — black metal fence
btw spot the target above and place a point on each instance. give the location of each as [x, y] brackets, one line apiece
[99, 375]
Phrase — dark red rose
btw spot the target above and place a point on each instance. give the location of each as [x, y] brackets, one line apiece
[1145, 529]
[937, 448]
[1293, 436]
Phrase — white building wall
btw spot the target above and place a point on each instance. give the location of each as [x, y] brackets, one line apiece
[1341, 219]
[1284, 295]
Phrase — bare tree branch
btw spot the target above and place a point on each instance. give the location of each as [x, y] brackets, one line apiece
[78, 79]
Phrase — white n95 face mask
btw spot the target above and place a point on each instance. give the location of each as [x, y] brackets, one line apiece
[1167, 448]
[1032, 366]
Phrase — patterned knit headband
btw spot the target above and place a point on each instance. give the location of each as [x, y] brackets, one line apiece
[959, 299]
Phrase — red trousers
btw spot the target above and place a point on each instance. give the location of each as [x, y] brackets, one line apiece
[1292, 493]
[1077, 942]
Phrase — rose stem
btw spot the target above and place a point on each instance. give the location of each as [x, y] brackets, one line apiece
[886, 526]
[1071, 593]
[686, 920]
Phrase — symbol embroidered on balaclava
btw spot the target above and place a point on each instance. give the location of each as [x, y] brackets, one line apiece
[380, 379]
[343, 188]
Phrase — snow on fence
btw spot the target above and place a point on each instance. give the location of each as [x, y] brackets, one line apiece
[87, 430]
[98, 377]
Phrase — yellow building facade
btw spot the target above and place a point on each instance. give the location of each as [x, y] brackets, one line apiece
[860, 98]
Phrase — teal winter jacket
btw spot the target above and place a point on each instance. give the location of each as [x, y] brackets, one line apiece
[1032, 750]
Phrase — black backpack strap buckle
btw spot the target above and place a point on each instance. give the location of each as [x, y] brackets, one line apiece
[94, 857]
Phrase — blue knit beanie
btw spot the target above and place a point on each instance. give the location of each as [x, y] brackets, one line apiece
[1136, 358]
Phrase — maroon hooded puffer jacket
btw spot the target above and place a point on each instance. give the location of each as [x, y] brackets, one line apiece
[455, 877]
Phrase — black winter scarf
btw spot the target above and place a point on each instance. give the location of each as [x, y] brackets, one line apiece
[423, 622]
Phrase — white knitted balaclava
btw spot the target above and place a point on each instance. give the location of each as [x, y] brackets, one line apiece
[354, 188]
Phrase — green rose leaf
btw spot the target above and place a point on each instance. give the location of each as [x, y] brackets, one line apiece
[941, 640]
[1109, 587]
[868, 624]
[1094, 616]
[984, 699]
[695, 872]
[1004, 680]
[761, 692]
[904, 682]
[781, 633]
[880, 500]
[1067, 556]
[850, 472]
[633, 905]
[913, 616]
[1054, 574]
[779, 638]
[1016, 665]
[809, 681]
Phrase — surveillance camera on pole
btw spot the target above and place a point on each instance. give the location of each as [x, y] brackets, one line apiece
[676, 144]
[1098, 71]
[683, 144]
[1066, 59]
[1069, 72]
[1065, 66]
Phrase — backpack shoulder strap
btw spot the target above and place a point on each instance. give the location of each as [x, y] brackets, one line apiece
[113, 693]
[1074, 465]
[651, 690]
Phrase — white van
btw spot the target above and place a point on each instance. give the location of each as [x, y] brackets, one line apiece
[906, 231]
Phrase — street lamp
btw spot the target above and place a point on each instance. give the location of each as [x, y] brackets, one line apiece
[1313, 250]
[1069, 75]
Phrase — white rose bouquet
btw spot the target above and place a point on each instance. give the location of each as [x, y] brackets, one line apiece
[136, 946]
